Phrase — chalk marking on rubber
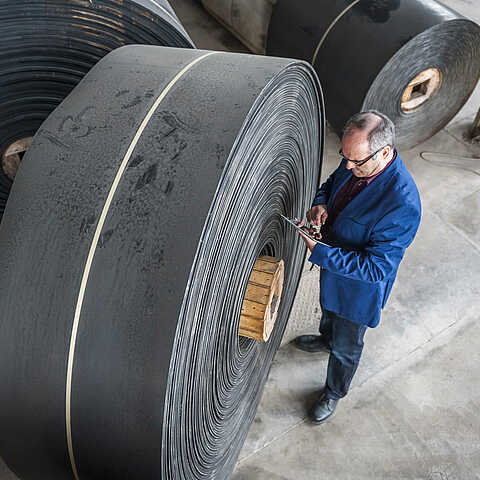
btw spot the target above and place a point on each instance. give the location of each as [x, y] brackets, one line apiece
[327, 31]
[93, 247]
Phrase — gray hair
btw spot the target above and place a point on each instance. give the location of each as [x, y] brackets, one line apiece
[383, 133]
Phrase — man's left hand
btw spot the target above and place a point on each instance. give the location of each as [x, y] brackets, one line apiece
[308, 242]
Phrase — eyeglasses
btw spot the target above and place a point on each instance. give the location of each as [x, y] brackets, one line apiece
[359, 163]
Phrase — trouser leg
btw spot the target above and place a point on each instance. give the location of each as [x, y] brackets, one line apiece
[347, 346]
[326, 328]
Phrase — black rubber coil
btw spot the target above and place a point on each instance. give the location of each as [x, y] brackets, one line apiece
[125, 252]
[47, 46]
[366, 52]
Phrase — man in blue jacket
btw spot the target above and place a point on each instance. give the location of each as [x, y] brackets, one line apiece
[369, 212]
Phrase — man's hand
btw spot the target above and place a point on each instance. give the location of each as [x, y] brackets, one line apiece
[309, 242]
[317, 215]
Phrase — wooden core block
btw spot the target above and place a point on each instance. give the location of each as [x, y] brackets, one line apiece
[420, 89]
[262, 299]
[13, 155]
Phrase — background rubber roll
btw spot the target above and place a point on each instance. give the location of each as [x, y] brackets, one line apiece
[125, 251]
[47, 46]
[373, 49]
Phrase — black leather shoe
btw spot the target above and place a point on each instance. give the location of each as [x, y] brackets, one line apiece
[322, 410]
[311, 343]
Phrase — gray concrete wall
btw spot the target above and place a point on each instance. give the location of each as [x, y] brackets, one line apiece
[247, 19]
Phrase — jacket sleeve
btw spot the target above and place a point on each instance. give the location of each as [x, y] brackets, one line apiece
[323, 193]
[383, 253]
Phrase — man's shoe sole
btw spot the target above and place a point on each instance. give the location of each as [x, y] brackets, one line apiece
[323, 350]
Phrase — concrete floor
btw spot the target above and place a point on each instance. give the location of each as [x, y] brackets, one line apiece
[412, 412]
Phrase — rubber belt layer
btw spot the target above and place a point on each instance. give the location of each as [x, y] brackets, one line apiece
[125, 251]
[47, 47]
[366, 52]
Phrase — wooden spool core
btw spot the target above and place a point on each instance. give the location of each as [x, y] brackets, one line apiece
[420, 89]
[12, 156]
[262, 299]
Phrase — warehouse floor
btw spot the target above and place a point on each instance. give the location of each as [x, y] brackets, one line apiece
[412, 412]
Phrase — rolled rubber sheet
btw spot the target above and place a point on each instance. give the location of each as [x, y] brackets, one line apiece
[367, 51]
[47, 46]
[125, 251]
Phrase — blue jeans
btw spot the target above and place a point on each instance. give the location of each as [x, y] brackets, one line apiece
[345, 339]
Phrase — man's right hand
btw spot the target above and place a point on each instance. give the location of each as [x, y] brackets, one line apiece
[317, 215]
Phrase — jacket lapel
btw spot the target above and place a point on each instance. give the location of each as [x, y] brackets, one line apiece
[347, 176]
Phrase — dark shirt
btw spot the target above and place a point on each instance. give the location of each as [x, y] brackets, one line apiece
[347, 193]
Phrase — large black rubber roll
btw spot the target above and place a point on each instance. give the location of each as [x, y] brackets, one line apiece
[125, 251]
[47, 46]
[366, 52]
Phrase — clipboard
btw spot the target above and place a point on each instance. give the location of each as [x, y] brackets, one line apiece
[294, 225]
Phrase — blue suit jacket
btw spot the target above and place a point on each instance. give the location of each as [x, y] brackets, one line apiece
[366, 242]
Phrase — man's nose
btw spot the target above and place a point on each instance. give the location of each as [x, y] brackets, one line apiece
[349, 165]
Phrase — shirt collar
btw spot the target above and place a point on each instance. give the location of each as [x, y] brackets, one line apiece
[373, 177]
